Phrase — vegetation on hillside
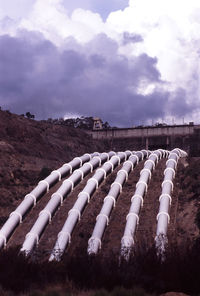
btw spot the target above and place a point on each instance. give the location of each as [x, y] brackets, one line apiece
[180, 272]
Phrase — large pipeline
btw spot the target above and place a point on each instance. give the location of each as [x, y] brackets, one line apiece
[132, 219]
[45, 216]
[36, 194]
[64, 236]
[102, 220]
[165, 199]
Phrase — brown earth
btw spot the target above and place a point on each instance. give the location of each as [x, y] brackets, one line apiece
[29, 149]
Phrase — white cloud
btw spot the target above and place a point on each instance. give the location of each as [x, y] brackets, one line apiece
[171, 32]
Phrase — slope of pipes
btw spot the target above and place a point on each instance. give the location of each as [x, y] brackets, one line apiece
[165, 199]
[102, 220]
[36, 194]
[132, 219]
[45, 216]
[64, 236]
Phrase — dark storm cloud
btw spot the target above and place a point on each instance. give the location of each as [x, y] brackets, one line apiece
[91, 80]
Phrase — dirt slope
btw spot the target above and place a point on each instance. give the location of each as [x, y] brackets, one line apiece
[30, 150]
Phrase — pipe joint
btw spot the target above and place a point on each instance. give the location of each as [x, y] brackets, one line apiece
[46, 183]
[173, 160]
[129, 161]
[80, 160]
[58, 173]
[104, 172]
[157, 158]
[143, 183]
[81, 172]
[73, 210]
[177, 155]
[123, 171]
[91, 166]
[86, 193]
[46, 212]
[118, 158]
[106, 154]
[95, 180]
[18, 214]
[142, 154]
[163, 213]
[170, 169]
[119, 184]
[60, 195]
[139, 196]
[112, 198]
[160, 153]
[168, 181]
[33, 197]
[166, 195]
[125, 155]
[68, 165]
[133, 215]
[150, 160]
[146, 170]
[99, 159]
[71, 182]
[104, 216]
[89, 155]
[112, 165]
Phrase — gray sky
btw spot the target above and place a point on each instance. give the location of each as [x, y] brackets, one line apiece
[126, 62]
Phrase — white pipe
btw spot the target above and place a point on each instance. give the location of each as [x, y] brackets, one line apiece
[132, 219]
[45, 216]
[64, 236]
[102, 220]
[165, 199]
[31, 199]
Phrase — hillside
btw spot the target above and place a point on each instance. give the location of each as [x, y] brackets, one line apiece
[30, 150]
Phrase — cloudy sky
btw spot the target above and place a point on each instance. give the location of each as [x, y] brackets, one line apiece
[128, 62]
